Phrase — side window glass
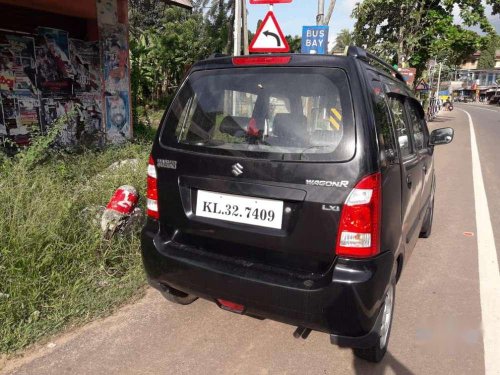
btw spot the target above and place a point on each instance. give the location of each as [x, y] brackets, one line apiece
[396, 106]
[385, 130]
[417, 124]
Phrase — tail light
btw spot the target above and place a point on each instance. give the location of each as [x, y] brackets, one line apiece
[359, 229]
[152, 191]
[230, 306]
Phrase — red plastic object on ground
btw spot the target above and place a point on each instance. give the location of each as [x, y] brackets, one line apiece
[123, 200]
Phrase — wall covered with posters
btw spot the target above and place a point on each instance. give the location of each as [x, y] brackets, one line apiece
[45, 76]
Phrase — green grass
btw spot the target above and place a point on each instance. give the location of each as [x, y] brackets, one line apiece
[55, 269]
[151, 116]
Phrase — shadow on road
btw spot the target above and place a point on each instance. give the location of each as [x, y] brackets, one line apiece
[442, 119]
[362, 367]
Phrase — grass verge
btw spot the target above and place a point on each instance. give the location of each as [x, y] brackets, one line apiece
[55, 270]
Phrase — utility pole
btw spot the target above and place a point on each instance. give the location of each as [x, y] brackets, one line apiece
[321, 13]
[439, 79]
[245, 28]
[237, 28]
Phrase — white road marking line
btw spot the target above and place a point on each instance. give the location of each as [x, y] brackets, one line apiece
[484, 109]
[489, 274]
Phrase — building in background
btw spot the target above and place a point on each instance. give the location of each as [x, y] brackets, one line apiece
[474, 83]
[60, 57]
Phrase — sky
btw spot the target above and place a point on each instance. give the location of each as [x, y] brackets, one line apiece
[292, 17]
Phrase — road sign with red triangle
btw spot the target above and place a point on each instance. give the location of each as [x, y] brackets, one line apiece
[269, 37]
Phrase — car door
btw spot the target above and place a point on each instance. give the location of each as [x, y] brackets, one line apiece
[420, 137]
[411, 170]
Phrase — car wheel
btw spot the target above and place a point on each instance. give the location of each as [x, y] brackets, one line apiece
[176, 296]
[376, 352]
[426, 230]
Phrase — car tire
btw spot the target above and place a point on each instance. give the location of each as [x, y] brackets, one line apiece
[377, 352]
[426, 230]
[176, 296]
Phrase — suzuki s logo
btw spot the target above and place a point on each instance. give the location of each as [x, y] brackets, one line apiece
[237, 169]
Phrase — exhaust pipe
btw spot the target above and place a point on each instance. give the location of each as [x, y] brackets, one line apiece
[302, 332]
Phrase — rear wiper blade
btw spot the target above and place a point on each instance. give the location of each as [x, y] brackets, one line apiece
[209, 142]
[303, 153]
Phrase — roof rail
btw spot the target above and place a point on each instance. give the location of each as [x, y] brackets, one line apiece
[362, 54]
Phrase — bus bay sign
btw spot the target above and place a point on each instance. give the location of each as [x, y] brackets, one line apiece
[315, 40]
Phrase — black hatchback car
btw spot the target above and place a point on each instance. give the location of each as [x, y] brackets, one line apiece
[292, 187]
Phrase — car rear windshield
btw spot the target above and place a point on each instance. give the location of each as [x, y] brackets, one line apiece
[275, 113]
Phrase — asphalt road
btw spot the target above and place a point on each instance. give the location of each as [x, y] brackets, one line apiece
[442, 305]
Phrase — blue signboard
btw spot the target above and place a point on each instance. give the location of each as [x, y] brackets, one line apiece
[315, 40]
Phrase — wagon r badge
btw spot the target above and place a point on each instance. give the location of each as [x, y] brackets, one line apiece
[338, 184]
[237, 169]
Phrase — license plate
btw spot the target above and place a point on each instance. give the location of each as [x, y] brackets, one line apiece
[239, 209]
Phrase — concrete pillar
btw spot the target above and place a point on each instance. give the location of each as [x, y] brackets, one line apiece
[112, 23]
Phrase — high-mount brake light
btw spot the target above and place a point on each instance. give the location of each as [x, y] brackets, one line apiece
[152, 190]
[262, 60]
[359, 229]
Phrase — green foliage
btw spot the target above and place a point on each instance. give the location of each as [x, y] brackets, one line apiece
[43, 146]
[487, 58]
[414, 31]
[344, 39]
[295, 43]
[165, 41]
[55, 270]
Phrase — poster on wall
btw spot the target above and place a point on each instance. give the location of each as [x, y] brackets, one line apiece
[55, 73]
[3, 128]
[115, 58]
[28, 111]
[116, 82]
[19, 100]
[91, 113]
[118, 116]
[86, 63]
[54, 108]
[22, 49]
[7, 78]
[107, 12]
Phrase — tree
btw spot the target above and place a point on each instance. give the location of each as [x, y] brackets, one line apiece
[295, 43]
[220, 16]
[415, 30]
[487, 58]
[160, 55]
[343, 40]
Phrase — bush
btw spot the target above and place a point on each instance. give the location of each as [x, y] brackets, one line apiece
[55, 269]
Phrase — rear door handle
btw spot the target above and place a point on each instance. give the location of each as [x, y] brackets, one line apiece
[409, 182]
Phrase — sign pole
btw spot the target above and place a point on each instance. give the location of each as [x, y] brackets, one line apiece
[245, 27]
[439, 79]
[237, 28]
[321, 12]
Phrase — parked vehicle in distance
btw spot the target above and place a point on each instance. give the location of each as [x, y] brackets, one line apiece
[292, 187]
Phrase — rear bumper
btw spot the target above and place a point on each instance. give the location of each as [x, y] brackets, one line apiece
[345, 303]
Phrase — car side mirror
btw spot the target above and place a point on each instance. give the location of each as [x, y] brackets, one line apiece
[441, 136]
